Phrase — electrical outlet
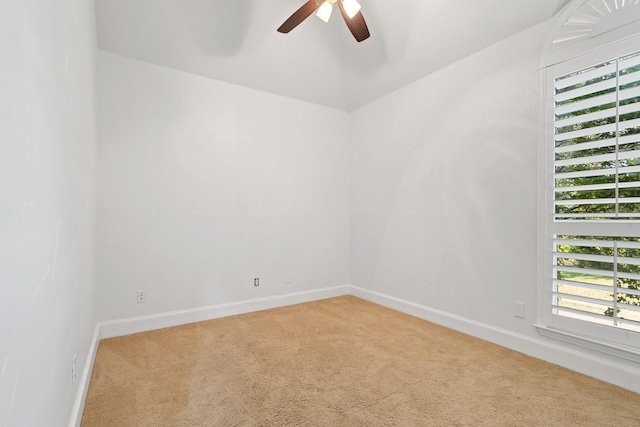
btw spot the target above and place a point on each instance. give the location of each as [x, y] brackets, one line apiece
[256, 281]
[141, 297]
[288, 278]
[73, 368]
[518, 309]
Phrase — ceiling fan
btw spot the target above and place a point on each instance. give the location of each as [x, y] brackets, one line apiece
[350, 10]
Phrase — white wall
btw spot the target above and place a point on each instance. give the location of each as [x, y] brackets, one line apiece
[444, 184]
[205, 185]
[47, 152]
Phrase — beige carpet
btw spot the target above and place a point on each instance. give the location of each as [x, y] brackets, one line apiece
[337, 362]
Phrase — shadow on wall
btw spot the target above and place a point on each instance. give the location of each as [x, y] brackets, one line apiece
[465, 198]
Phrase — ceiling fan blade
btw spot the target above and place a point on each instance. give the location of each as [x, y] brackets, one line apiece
[300, 15]
[357, 24]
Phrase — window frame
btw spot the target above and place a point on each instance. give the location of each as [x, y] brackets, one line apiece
[608, 339]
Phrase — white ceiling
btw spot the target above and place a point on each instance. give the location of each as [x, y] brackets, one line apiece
[236, 41]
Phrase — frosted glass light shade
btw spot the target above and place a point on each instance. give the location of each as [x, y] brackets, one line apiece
[324, 11]
[352, 7]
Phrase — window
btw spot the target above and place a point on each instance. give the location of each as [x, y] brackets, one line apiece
[593, 211]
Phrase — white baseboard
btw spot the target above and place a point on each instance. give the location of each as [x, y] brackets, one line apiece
[176, 318]
[607, 369]
[85, 378]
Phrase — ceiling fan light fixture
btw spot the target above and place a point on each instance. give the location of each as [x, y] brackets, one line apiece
[324, 11]
[355, 22]
[352, 7]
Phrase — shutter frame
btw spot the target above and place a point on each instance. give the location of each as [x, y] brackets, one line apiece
[595, 157]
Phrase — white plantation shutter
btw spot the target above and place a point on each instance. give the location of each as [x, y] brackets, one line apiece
[593, 278]
[595, 180]
[597, 141]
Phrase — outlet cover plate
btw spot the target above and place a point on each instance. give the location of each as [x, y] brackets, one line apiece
[518, 309]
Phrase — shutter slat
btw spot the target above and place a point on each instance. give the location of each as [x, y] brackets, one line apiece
[572, 297]
[610, 157]
[595, 272]
[585, 271]
[595, 87]
[596, 101]
[584, 257]
[596, 172]
[566, 216]
[629, 292]
[628, 245]
[596, 115]
[584, 285]
[585, 90]
[611, 127]
[582, 118]
[581, 242]
[628, 260]
[629, 93]
[630, 276]
[592, 74]
[607, 186]
[629, 124]
[600, 317]
[601, 143]
[585, 76]
[630, 61]
[603, 288]
[596, 201]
